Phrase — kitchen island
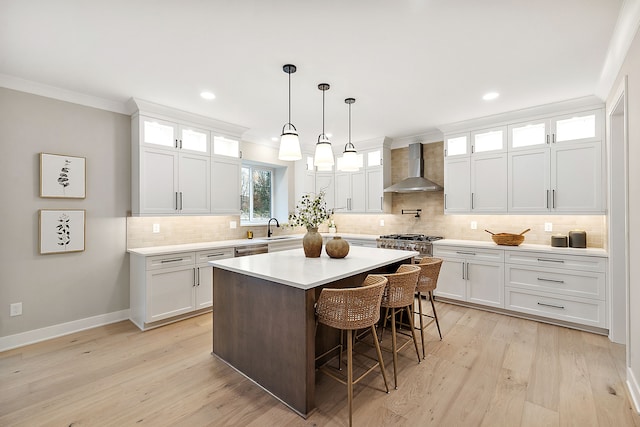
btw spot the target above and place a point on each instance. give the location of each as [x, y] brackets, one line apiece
[264, 320]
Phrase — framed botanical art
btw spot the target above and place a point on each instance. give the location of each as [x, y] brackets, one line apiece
[62, 176]
[61, 231]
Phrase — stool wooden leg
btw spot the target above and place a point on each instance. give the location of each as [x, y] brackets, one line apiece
[341, 347]
[393, 348]
[413, 331]
[350, 374]
[380, 361]
[435, 315]
[421, 323]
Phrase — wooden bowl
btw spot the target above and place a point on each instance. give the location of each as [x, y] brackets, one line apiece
[508, 239]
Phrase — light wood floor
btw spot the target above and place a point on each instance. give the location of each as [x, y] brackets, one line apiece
[489, 370]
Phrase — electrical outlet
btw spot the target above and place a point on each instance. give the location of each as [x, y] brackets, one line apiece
[233, 224]
[16, 309]
[156, 228]
[548, 226]
[474, 225]
[382, 223]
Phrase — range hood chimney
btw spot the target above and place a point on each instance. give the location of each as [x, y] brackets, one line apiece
[415, 182]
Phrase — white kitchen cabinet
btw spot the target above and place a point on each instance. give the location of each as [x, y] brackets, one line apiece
[173, 162]
[375, 190]
[351, 192]
[457, 185]
[204, 275]
[475, 175]
[172, 182]
[225, 185]
[563, 178]
[488, 183]
[325, 181]
[474, 275]
[194, 172]
[168, 135]
[570, 288]
[169, 287]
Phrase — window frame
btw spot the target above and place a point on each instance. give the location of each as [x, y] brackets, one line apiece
[272, 171]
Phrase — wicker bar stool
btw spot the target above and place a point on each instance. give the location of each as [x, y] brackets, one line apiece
[427, 282]
[351, 309]
[400, 293]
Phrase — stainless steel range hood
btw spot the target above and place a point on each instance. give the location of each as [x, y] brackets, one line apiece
[415, 182]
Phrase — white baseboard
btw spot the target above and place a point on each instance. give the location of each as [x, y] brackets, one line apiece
[37, 335]
[634, 389]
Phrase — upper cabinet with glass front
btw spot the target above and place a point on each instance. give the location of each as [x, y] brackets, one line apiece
[578, 127]
[492, 140]
[164, 134]
[458, 145]
[223, 146]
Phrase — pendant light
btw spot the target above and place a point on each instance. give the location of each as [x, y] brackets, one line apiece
[289, 141]
[349, 156]
[324, 154]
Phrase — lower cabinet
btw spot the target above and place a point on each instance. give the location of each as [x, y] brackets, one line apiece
[169, 287]
[562, 287]
[544, 285]
[471, 274]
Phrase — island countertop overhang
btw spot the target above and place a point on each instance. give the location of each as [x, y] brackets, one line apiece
[292, 268]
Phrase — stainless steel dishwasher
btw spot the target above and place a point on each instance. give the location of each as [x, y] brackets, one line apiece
[251, 250]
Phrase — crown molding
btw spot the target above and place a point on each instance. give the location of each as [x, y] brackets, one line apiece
[623, 34]
[434, 135]
[531, 113]
[28, 86]
[139, 106]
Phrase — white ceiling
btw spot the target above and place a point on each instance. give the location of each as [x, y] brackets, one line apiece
[412, 65]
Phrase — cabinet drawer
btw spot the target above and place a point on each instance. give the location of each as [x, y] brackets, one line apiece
[570, 262]
[569, 309]
[578, 283]
[469, 253]
[203, 257]
[170, 260]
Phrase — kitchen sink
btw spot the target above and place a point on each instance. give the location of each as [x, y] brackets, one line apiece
[280, 238]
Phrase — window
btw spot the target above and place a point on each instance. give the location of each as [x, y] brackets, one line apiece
[256, 202]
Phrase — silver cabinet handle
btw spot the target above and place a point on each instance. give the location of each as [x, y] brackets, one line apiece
[445, 201]
[217, 254]
[176, 143]
[181, 206]
[194, 278]
[180, 145]
[164, 261]
[542, 279]
[553, 138]
[551, 305]
[177, 201]
[463, 271]
[550, 260]
[381, 203]
[553, 198]
[467, 271]
[198, 282]
[547, 138]
[465, 253]
[547, 199]
[471, 200]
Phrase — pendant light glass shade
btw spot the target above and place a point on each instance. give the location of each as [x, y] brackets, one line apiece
[324, 153]
[289, 141]
[349, 161]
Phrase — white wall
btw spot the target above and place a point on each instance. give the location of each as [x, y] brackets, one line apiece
[631, 68]
[60, 288]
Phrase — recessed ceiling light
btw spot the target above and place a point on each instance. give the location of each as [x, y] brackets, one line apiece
[208, 95]
[274, 138]
[491, 95]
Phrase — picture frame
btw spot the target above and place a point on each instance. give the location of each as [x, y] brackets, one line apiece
[62, 176]
[61, 231]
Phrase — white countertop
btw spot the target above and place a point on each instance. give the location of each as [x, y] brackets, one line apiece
[190, 247]
[599, 252]
[292, 268]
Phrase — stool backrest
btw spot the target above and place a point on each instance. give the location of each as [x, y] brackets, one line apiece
[352, 308]
[401, 287]
[429, 272]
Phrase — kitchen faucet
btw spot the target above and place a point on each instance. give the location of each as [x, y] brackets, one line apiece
[269, 226]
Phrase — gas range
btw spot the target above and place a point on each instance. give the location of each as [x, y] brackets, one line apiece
[409, 242]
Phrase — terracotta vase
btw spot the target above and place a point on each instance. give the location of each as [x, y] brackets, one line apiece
[337, 247]
[312, 243]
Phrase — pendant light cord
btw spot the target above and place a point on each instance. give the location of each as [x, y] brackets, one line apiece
[323, 114]
[349, 123]
[289, 97]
